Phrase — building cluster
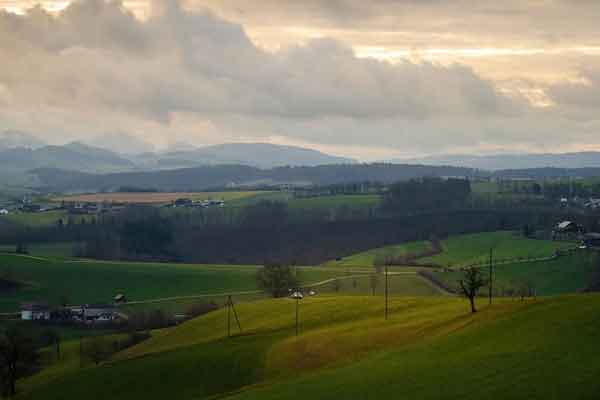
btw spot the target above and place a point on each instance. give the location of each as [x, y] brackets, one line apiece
[84, 314]
[189, 203]
[570, 230]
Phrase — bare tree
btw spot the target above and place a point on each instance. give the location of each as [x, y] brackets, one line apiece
[373, 282]
[470, 285]
[18, 357]
[336, 284]
[97, 349]
[276, 279]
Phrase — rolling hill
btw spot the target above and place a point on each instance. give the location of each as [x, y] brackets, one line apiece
[429, 346]
[513, 161]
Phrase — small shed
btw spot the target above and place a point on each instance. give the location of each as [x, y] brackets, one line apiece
[592, 239]
[99, 313]
[120, 298]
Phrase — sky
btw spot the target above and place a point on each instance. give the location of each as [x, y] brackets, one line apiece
[372, 80]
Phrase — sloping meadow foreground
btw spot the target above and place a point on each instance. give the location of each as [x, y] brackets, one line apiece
[429, 348]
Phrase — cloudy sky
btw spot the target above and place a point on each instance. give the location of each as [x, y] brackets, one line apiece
[368, 79]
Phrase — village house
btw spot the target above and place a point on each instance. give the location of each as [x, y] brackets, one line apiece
[99, 313]
[591, 240]
[35, 312]
[566, 230]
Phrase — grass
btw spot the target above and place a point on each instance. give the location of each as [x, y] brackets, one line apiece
[328, 202]
[40, 219]
[366, 259]
[155, 197]
[405, 284]
[543, 350]
[533, 349]
[86, 281]
[471, 249]
[567, 274]
[58, 249]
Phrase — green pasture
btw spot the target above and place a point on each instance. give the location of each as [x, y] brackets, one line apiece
[464, 250]
[59, 249]
[329, 202]
[367, 258]
[87, 281]
[346, 349]
[566, 274]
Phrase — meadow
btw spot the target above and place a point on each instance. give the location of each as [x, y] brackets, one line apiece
[428, 347]
[40, 219]
[88, 281]
[367, 258]
[465, 250]
[461, 250]
[566, 274]
[58, 249]
[352, 201]
[154, 197]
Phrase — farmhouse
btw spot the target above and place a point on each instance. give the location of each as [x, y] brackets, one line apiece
[566, 229]
[35, 312]
[592, 239]
[120, 298]
[99, 313]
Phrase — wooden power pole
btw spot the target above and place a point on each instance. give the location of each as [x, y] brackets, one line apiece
[386, 291]
[230, 308]
[491, 273]
[297, 295]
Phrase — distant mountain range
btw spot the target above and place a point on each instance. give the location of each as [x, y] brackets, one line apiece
[238, 176]
[512, 161]
[17, 139]
[261, 155]
[21, 152]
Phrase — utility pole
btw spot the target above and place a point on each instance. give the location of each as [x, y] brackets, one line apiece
[297, 295]
[491, 272]
[228, 316]
[231, 307]
[386, 291]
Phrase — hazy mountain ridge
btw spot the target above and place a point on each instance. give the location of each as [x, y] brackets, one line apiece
[10, 139]
[262, 155]
[240, 176]
[495, 162]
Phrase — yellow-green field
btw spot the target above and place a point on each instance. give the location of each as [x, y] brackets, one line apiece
[154, 198]
[429, 347]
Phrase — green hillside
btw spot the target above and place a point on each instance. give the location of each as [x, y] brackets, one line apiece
[567, 274]
[470, 249]
[83, 281]
[57, 249]
[347, 350]
[543, 350]
[366, 259]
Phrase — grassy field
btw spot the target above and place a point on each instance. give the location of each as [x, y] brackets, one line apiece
[60, 249]
[46, 279]
[355, 201]
[155, 198]
[471, 249]
[568, 274]
[534, 349]
[400, 284]
[40, 219]
[366, 259]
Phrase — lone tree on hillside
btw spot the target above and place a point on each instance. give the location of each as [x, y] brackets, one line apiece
[276, 279]
[373, 282]
[18, 358]
[470, 285]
